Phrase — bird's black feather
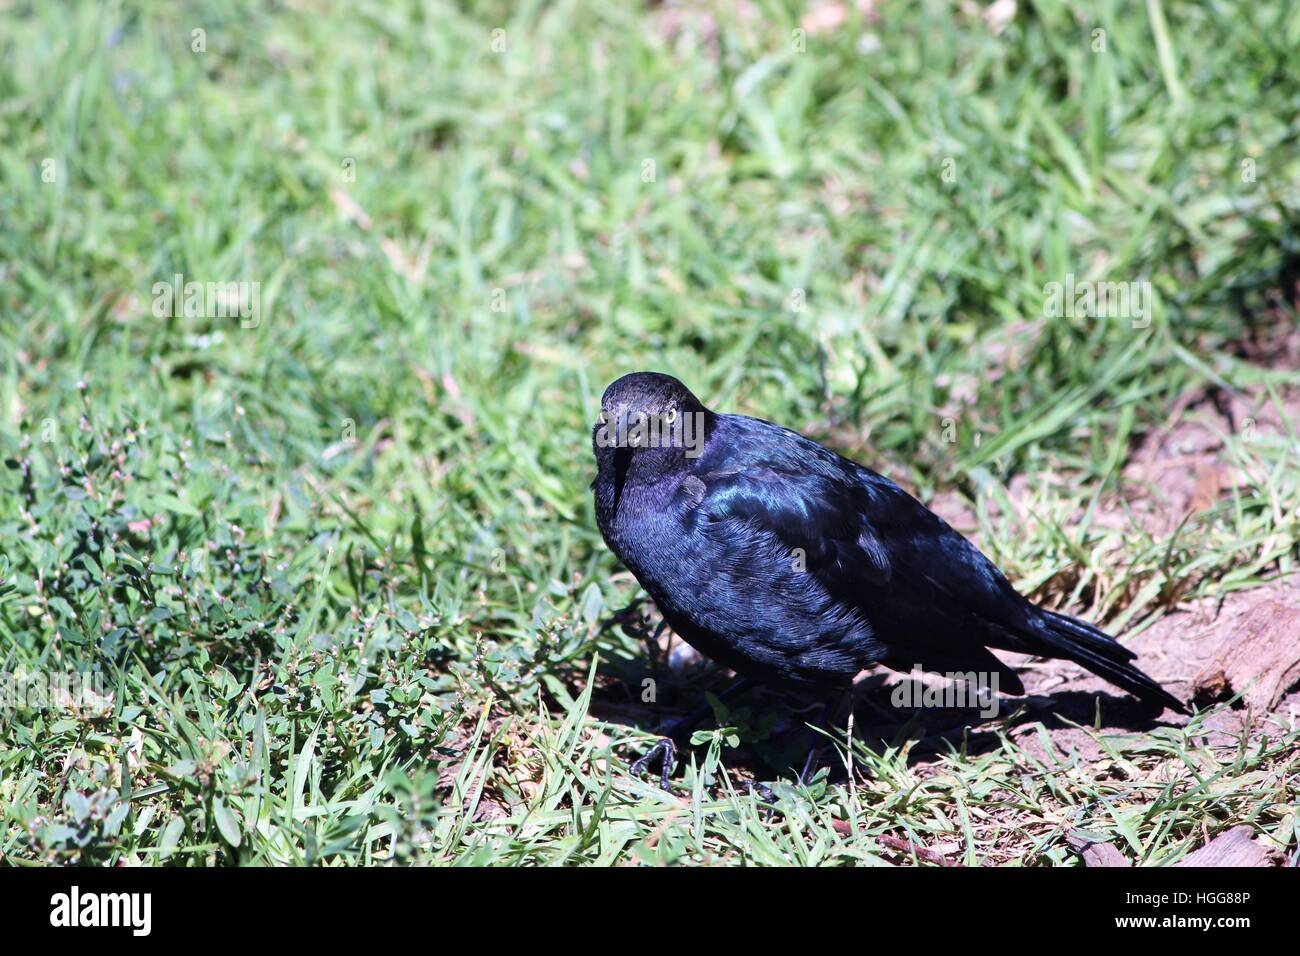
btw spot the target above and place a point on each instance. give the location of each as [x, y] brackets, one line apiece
[788, 562]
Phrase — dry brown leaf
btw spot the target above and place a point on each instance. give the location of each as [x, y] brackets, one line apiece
[1235, 847]
[1259, 658]
[1096, 854]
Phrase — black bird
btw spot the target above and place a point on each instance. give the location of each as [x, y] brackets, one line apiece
[791, 564]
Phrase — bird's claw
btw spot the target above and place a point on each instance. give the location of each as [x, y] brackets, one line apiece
[664, 750]
[763, 791]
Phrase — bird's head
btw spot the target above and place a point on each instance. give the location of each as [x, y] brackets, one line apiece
[649, 426]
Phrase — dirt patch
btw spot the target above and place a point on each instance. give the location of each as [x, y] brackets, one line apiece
[1182, 468]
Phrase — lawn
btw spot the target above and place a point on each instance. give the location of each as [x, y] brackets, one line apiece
[318, 531]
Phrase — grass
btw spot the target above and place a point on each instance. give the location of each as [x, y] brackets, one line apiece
[336, 564]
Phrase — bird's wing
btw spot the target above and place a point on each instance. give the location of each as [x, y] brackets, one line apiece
[920, 585]
[784, 554]
[862, 536]
[819, 521]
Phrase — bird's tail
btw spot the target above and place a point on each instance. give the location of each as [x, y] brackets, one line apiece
[1096, 650]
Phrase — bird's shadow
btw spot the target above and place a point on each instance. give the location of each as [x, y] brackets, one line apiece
[773, 723]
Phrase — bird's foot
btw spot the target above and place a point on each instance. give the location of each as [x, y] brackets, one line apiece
[666, 752]
[764, 792]
[804, 778]
[809, 765]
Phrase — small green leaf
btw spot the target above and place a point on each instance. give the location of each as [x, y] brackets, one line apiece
[593, 602]
[227, 822]
[171, 836]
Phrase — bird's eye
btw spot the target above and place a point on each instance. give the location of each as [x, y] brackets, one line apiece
[603, 420]
[670, 416]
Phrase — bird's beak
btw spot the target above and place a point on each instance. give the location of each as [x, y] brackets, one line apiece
[622, 459]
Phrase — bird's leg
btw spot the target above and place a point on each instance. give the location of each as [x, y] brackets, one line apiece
[652, 645]
[626, 615]
[665, 749]
[809, 763]
[765, 792]
[830, 712]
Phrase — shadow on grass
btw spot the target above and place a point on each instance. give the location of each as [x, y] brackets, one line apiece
[773, 723]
